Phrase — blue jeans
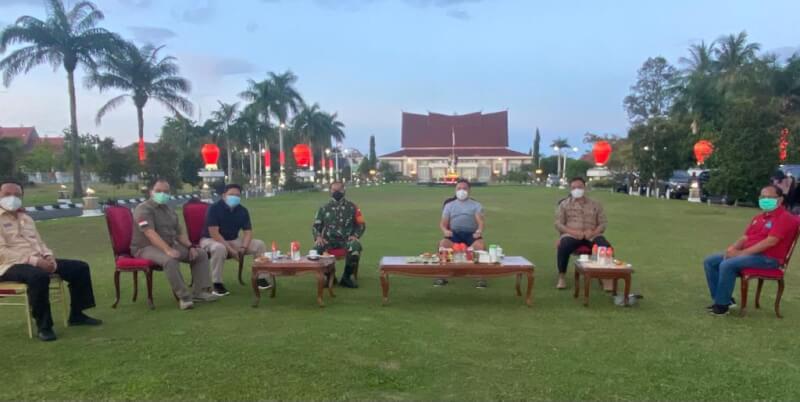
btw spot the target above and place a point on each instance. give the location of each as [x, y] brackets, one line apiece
[721, 273]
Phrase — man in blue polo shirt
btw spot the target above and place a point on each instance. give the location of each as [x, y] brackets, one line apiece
[228, 233]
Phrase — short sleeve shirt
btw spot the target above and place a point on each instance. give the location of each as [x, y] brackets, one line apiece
[229, 221]
[461, 215]
[159, 217]
[780, 224]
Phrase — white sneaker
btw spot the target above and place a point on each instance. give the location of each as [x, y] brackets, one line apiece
[205, 297]
[186, 304]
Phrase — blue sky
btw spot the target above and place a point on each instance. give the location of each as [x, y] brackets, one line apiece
[561, 66]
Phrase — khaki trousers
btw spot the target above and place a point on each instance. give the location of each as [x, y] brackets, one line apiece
[201, 277]
[219, 253]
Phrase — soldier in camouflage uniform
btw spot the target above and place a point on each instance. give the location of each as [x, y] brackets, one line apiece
[339, 224]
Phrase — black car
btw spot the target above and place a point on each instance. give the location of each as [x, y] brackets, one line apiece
[680, 182]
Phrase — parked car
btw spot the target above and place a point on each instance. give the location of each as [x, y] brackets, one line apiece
[681, 181]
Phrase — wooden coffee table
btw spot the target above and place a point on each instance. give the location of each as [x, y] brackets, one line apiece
[287, 267]
[509, 266]
[591, 270]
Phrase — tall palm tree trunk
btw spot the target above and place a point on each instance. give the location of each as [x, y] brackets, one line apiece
[77, 186]
[140, 121]
[230, 155]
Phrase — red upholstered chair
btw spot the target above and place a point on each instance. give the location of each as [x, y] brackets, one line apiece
[765, 275]
[120, 229]
[194, 215]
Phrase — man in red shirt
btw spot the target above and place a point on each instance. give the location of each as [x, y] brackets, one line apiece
[764, 245]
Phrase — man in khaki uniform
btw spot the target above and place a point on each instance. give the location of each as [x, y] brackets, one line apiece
[25, 258]
[581, 222]
[157, 236]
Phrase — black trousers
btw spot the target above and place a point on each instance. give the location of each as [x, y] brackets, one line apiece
[75, 273]
[568, 245]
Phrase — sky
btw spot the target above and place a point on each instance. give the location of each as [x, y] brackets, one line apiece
[561, 66]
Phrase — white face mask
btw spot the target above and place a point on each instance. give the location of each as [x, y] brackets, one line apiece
[462, 194]
[10, 203]
[577, 193]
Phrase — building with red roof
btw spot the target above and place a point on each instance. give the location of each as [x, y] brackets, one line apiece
[27, 136]
[472, 146]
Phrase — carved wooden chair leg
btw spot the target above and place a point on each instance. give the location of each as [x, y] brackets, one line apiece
[758, 292]
[148, 276]
[135, 285]
[116, 289]
[743, 307]
[778, 299]
[241, 264]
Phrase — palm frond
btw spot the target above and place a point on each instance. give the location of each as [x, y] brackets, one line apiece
[112, 104]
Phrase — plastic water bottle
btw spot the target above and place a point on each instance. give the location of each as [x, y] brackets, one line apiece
[594, 253]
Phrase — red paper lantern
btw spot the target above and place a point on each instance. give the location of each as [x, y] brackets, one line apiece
[601, 152]
[210, 153]
[267, 160]
[330, 164]
[282, 158]
[702, 150]
[142, 154]
[302, 155]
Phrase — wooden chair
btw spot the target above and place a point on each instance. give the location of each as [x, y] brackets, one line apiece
[17, 290]
[120, 228]
[194, 215]
[762, 275]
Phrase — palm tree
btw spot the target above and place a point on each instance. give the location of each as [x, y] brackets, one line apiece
[701, 58]
[318, 128]
[561, 143]
[225, 116]
[67, 39]
[275, 97]
[558, 145]
[143, 75]
[734, 53]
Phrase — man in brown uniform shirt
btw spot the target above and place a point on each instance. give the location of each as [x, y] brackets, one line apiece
[157, 236]
[581, 222]
[25, 258]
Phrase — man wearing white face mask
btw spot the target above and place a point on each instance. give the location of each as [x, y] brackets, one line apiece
[580, 221]
[25, 258]
[462, 222]
[225, 220]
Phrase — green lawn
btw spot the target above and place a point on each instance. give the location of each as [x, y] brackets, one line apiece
[449, 343]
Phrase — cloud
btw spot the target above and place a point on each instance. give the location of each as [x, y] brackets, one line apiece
[21, 3]
[251, 27]
[232, 66]
[153, 35]
[458, 14]
[137, 3]
[199, 14]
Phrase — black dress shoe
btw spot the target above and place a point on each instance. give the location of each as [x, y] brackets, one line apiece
[84, 320]
[348, 283]
[46, 335]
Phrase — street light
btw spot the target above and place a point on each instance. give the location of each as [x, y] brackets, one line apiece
[281, 155]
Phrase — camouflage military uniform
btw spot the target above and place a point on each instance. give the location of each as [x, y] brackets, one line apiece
[335, 222]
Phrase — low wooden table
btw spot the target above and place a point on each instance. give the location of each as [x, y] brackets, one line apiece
[287, 267]
[509, 266]
[591, 270]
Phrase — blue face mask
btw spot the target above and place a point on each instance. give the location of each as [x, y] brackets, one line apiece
[233, 200]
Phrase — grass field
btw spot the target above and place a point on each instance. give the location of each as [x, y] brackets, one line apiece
[447, 343]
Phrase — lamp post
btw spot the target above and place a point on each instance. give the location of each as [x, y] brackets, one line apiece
[281, 155]
[564, 171]
[558, 160]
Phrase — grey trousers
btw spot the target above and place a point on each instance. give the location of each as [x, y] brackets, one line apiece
[201, 274]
